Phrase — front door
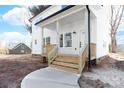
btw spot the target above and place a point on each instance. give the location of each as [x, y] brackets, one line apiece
[82, 40]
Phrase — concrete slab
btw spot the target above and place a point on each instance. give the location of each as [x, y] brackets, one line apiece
[50, 78]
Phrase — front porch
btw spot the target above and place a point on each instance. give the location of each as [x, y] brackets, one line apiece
[64, 40]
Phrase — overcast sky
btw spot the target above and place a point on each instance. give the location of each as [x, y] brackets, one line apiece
[12, 20]
[120, 32]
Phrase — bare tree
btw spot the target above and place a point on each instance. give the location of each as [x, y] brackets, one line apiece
[116, 15]
[37, 9]
[28, 28]
[34, 10]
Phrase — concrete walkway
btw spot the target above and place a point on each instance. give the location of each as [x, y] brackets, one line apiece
[50, 78]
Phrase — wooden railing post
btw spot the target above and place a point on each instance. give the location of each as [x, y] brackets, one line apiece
[82, 59]
[52, 54]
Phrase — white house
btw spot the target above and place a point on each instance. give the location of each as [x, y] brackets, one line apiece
[60, 33]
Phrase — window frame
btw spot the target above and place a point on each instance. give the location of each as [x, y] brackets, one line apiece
[67, 39]
[61, 40]
[48, 39]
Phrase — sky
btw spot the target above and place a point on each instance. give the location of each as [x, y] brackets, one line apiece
[120, 32]
[13, 18]
[12, 21]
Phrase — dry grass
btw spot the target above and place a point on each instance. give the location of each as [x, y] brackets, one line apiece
[13, 68]
[108, 73]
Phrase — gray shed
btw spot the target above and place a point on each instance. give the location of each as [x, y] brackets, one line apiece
[21, 48]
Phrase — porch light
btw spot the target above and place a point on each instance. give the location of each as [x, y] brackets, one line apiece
[74, 32]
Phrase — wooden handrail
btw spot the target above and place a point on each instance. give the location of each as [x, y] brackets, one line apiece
[84, 55]
[52, 54]
[82, 59]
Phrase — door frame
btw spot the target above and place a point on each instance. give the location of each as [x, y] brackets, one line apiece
[82, 37]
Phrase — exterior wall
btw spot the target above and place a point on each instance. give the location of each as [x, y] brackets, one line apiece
[73, 26]
[99, 30]
[36, 38]
[36, 30]
[93, 27]
[50, 33]
[102, 31]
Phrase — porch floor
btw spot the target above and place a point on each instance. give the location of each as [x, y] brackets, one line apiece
[50, 78]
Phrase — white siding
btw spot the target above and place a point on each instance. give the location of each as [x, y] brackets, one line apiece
[74, 25]
[36, 30]
[52, 34]
[36, 35]
[102, 31]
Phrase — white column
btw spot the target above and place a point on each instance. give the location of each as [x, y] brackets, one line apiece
[57, 30]
[42, 46]
[86, 25]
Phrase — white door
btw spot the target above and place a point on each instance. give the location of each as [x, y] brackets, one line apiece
[82, 40]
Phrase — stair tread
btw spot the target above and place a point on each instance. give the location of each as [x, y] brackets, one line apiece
[65, 64]
[67, 59]
[68, 56]
[65, 68]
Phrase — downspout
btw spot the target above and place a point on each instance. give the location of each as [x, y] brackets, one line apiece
[89, 55]
[89, 49]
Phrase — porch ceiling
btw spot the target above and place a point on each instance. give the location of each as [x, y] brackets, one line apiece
[51, 26]
[68, 19]
[64, 14]
[72, 18]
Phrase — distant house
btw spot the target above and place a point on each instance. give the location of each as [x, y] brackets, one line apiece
[21, 48]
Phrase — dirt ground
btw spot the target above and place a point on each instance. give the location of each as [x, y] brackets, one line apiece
[108, 73]
[13, 68]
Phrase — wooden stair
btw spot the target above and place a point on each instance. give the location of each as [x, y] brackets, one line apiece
[66, 62]
[47, 49]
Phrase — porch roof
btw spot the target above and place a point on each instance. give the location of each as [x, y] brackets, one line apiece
[56, 13]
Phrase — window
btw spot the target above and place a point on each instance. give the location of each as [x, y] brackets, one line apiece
[47, 40]
[68, 40]
[43, 41]
[61, 40]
